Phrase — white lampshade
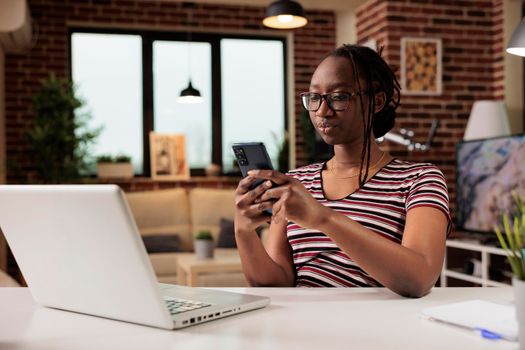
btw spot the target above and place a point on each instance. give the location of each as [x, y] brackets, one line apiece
[487, 119]
[516, 45]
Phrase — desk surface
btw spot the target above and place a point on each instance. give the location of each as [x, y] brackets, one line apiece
[297, 318]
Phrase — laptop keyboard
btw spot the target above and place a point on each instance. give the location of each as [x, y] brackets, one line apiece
[177, 306]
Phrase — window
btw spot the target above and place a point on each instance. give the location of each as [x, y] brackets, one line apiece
[174, 63]
[107, 72]
[252, 88]
[131, 80]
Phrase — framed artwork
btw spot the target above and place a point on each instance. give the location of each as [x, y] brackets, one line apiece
[421, 66]
[168, 156]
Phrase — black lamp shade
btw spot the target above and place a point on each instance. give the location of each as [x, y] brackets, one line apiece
[285, 14]
[189, 95]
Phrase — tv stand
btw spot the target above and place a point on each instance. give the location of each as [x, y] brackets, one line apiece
[471, 244]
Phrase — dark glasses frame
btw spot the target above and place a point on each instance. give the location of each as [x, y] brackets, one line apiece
[329, 99]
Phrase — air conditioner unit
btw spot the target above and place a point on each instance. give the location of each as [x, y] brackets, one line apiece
[15, 25]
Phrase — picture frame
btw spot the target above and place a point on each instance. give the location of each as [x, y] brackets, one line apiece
[421, 66]
[168, 156]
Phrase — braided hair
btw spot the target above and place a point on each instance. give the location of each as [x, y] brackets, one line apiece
[378, 77]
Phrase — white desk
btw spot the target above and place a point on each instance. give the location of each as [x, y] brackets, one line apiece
[320, 319]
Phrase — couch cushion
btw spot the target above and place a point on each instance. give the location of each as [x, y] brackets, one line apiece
[208, 206]
[162, 243]
[226, 238]
[162, 212]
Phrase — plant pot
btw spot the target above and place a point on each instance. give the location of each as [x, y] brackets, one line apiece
[519, 302]
[114, 170]
[204, 248]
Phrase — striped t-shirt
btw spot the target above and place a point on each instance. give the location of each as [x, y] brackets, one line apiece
[380, 205]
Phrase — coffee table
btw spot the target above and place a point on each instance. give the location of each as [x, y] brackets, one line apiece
[189, 267]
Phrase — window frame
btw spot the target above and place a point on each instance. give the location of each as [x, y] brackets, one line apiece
[148, 37]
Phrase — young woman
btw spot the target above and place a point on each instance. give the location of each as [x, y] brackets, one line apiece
[360, 219]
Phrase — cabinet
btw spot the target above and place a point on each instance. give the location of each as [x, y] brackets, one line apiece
[485, 257]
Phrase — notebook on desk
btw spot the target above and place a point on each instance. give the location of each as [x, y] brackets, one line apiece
[79, 249]
[490, 320]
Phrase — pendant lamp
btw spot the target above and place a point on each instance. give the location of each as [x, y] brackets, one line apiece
[189, 94]
[285, 14]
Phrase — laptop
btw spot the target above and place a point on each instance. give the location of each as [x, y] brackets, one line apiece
[79, 249]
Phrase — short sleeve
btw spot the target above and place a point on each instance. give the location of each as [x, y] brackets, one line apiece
[430, 190]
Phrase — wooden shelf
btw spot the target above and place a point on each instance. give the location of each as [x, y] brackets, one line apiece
[149, 184]
[472, 279]
[471, 245]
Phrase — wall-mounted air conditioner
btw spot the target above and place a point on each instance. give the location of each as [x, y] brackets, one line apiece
[15, 25]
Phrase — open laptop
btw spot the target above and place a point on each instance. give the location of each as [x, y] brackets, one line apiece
[79, 249]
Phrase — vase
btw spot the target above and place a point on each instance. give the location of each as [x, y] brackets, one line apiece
[204, 248]
[519, 301]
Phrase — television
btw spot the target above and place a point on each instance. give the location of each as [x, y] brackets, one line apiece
[488, 171]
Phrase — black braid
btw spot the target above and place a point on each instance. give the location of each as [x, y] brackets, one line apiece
[379, 77]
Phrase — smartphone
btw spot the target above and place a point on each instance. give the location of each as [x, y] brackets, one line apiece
[252, 155]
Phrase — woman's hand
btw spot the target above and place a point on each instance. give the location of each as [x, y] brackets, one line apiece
[292, 201]
[249, 209]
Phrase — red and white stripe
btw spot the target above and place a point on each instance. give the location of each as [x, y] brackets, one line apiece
[380, 205]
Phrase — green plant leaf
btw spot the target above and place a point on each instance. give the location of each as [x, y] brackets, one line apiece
[517, 234]
[515, 265]
[514, 238]
[508, 232]
[204, 234]
[59, 140]
[502, 241]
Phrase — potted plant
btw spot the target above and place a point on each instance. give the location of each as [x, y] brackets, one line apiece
[59, 140]
[119, 166]
[513, 242]
[204, 245]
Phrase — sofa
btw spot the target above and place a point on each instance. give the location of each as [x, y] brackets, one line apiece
[181, 213]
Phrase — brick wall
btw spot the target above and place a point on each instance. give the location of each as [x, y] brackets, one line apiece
[51, 53]
[471, 33]
[472, 42]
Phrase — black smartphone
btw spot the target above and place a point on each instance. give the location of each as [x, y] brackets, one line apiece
[252, 155]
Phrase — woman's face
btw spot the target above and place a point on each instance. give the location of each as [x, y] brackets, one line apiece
[335, 74]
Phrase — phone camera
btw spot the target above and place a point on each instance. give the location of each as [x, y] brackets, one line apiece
[241, 156]
[239, 153]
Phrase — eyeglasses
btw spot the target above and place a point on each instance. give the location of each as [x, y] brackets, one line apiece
[337, 101]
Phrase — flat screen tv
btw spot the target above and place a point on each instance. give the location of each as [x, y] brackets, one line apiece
[488, 171]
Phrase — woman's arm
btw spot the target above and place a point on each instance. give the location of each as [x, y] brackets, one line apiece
[409, 269]
[262, 267]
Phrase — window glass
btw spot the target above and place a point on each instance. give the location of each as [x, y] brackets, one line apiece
[174, 63]
[107, 71]
[253, 104]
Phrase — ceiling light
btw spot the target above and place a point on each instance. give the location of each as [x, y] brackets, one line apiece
[285, 14]
[189, 95]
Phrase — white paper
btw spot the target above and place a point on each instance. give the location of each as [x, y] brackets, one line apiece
[477, 315]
